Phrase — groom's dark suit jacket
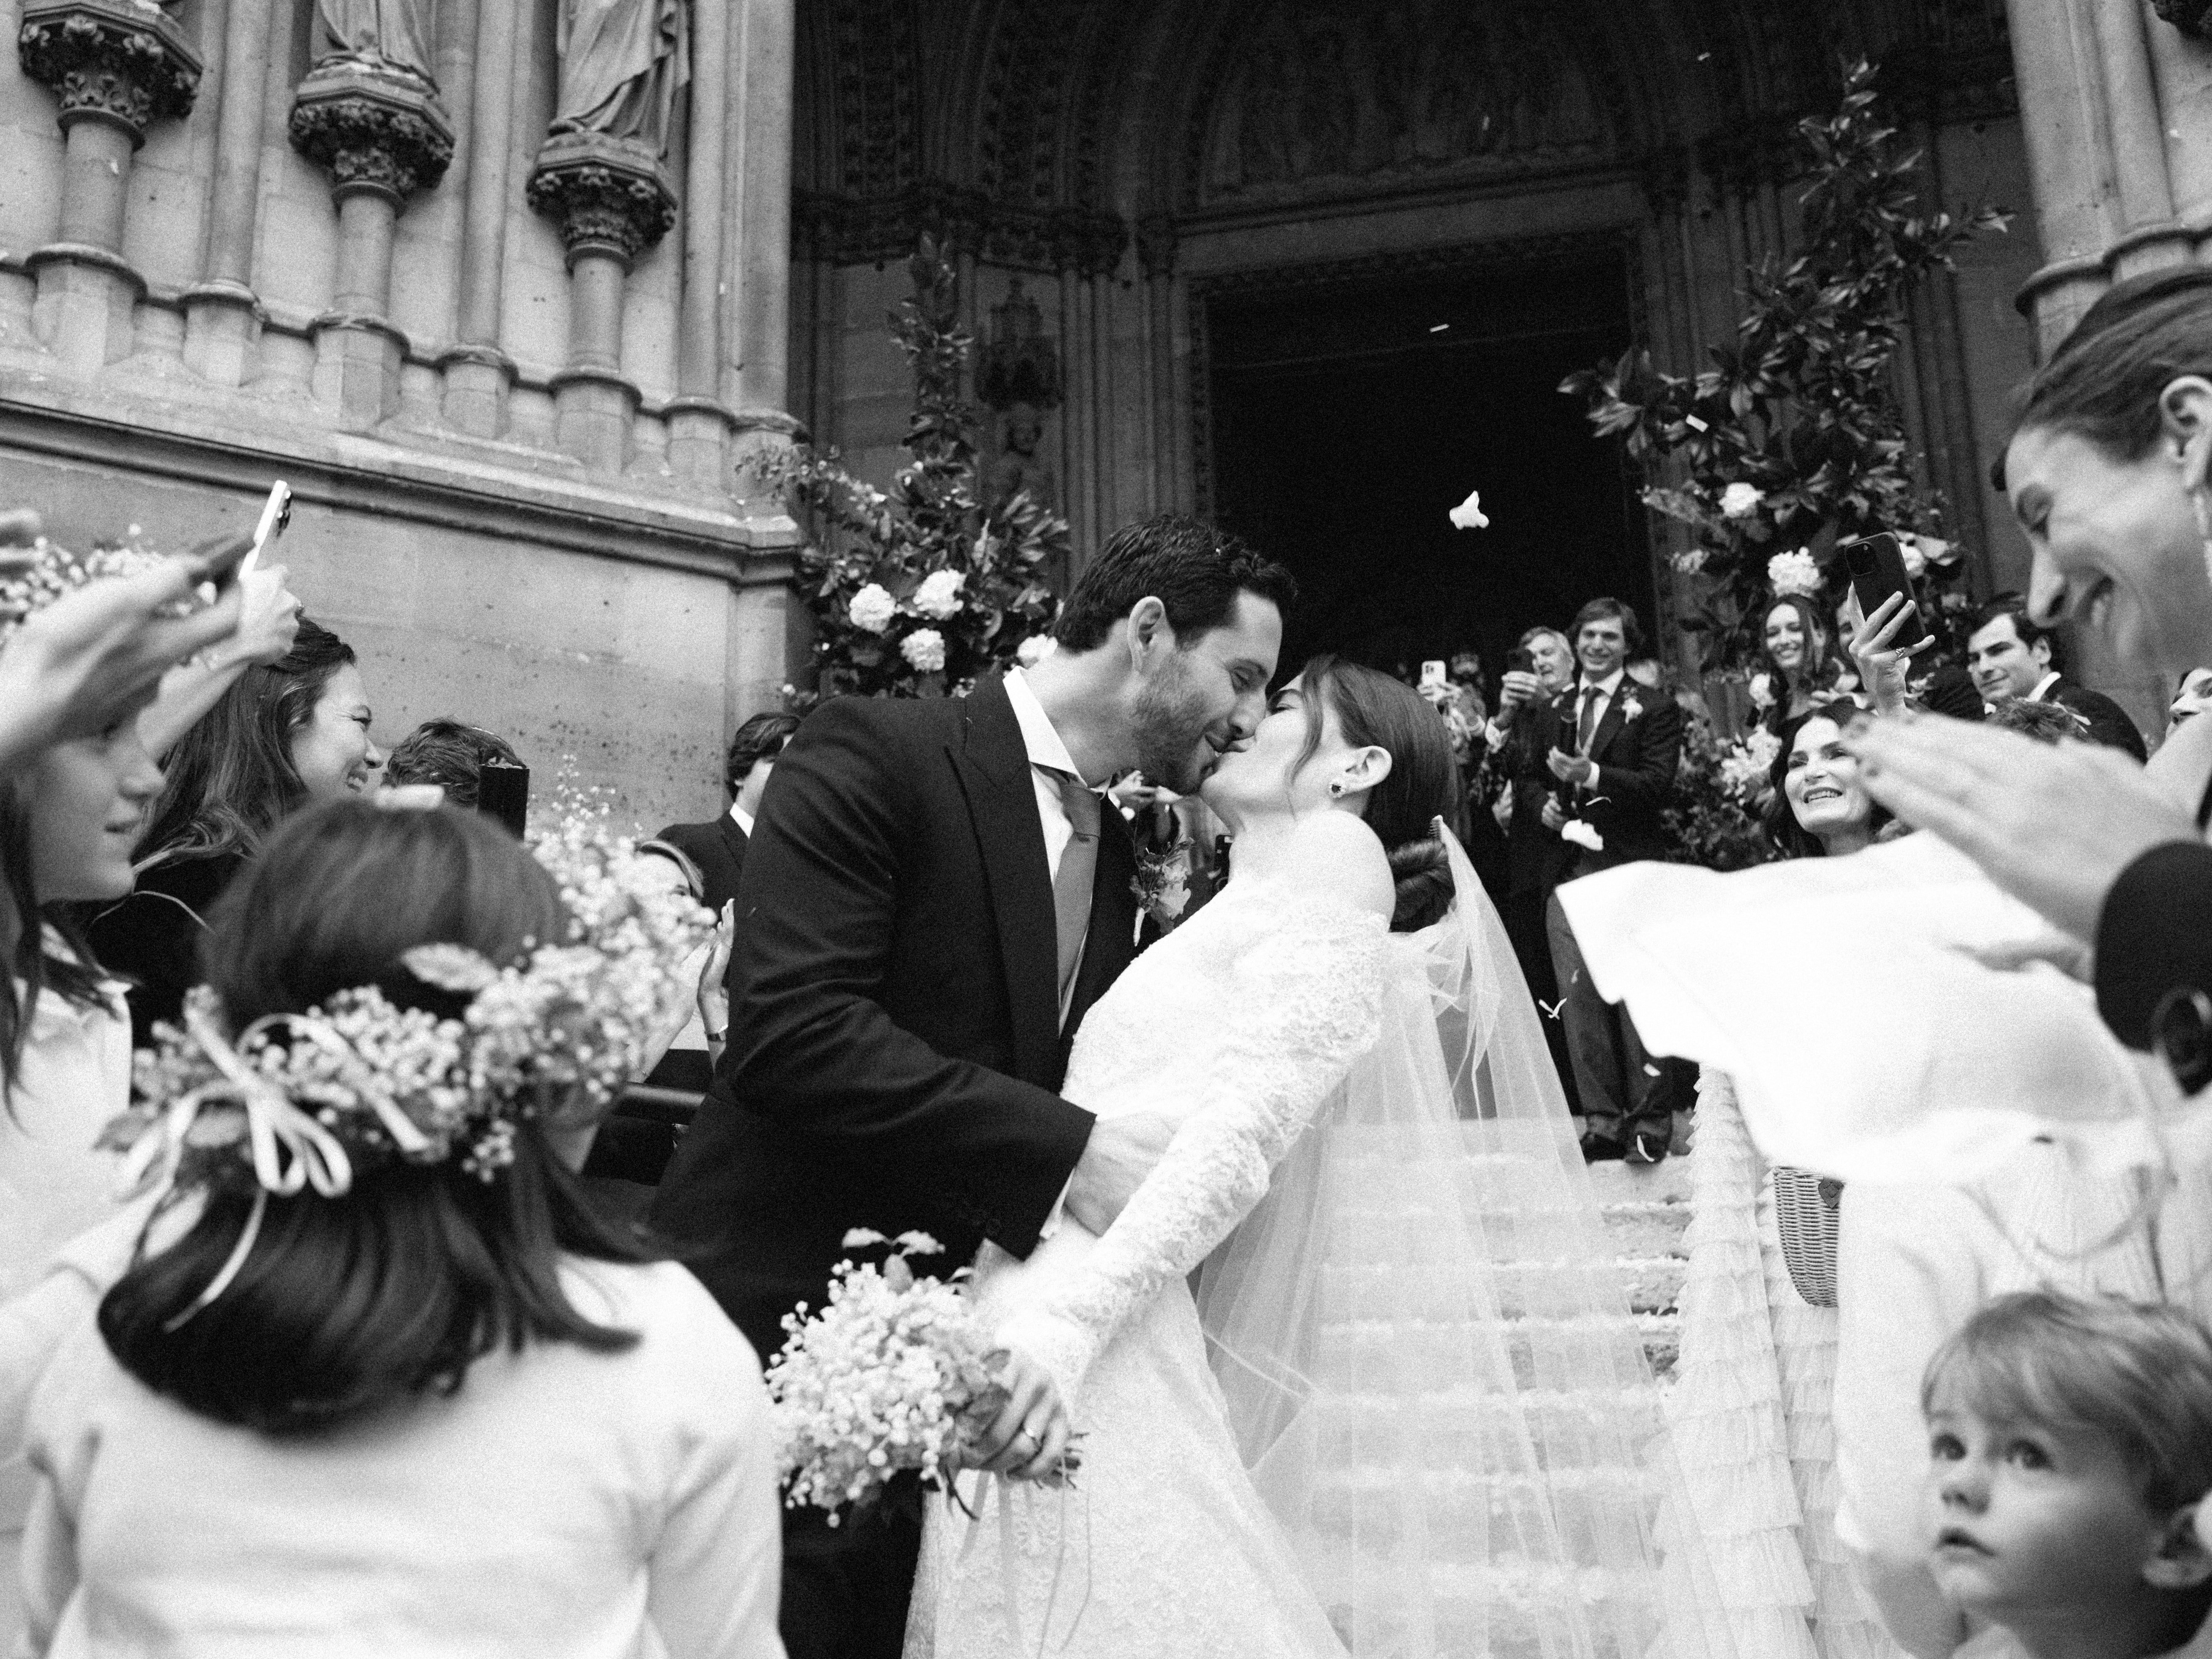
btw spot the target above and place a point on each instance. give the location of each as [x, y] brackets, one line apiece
[895, 1041]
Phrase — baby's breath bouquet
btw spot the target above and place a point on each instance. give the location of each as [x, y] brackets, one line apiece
[879, 1380]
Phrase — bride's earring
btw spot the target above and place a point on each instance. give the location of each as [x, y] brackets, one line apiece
[1336, 789]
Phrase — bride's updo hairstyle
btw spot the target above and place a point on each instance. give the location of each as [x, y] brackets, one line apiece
[1371, 707]
[393, 1290]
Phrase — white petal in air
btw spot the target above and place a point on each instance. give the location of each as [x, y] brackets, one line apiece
[1469, 514]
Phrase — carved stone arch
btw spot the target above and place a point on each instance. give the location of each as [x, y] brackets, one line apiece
[873, 49]
[1295, 99]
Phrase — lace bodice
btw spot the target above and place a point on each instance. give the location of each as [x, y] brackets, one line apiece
[1238, 1025]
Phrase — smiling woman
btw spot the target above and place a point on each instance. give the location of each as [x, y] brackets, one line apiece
[288, 733]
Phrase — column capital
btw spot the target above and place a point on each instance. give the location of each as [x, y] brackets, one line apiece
[611, 196]
[376, 130]
[124, 63]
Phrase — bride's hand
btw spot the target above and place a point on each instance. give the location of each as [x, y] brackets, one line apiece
[1025, 1436]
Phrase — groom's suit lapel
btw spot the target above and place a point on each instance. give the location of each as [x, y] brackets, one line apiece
[993, 765]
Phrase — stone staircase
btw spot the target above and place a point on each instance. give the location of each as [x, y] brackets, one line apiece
[1647, 1209]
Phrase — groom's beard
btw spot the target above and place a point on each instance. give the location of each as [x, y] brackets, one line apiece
[1171, 720]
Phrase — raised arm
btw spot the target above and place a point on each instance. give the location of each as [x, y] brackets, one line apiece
[1305, 1003]
[811, 1046]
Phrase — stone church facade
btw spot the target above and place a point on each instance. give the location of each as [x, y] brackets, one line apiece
[508, 289]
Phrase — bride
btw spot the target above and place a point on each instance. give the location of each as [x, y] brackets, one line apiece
[1406, 1412]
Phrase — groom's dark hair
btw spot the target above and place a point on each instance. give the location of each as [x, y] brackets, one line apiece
[1194, 569]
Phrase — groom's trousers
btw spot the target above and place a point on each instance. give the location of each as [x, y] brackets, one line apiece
[846, 1587]
[1621, 1090]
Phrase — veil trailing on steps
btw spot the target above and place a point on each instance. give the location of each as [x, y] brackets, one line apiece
[1428, 1352]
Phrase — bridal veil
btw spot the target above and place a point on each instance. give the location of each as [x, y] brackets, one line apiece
[1428, 1353]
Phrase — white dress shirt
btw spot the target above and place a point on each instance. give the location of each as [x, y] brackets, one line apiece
[2042, 692]
[1048, 755]
[741, 819]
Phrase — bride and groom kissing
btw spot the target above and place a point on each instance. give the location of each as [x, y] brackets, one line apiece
[940, 1022]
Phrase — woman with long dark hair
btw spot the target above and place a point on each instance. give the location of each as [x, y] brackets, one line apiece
[394, 1388]
[290, 733]
[1796, 659]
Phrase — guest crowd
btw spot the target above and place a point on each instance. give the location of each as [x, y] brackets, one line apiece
[445, 1411]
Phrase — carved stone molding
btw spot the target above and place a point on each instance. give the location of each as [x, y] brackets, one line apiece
[116, 61]
[373, 130]
[840, 230]
[2190, 16]
[611, 196]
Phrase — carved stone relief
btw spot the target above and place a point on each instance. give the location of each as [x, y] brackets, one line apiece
[1327, 90]
[109, 60]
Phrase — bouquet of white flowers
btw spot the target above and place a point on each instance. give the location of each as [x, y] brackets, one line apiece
[880, 1380]
[1748, 764]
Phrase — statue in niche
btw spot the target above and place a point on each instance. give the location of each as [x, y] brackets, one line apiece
[1017, 468]
[386, 34]
[1021, 365]
[1329, 110]
[622, 64]
[1267, 127]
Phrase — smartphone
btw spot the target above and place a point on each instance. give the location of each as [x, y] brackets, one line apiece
[503, 793]
[276, 514]
[1877, 567]
[1520, 660]
[1433, 672]
[218, 562]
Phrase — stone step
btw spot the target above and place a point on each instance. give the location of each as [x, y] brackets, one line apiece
[1647, 1211]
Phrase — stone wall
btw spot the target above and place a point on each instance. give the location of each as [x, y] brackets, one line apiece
[509, 373]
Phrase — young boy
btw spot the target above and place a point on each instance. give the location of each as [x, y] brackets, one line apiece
[2069, 1442]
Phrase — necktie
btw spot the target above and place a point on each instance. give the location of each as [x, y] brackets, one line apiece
[1591, 698]
[1071, 883]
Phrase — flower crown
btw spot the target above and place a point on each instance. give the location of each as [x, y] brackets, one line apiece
[300, 1100]
[54, 573]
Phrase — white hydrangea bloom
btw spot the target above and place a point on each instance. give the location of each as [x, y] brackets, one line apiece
[925, 649]
[1794, 573]
[872, 608]
[1740, 499]
[939, 596]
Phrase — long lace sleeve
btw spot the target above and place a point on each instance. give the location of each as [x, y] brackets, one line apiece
[1307, 998]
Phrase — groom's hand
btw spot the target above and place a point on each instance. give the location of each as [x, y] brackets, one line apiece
[1120, 1154]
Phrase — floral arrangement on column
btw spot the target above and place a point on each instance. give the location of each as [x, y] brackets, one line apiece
[919, 593]
[1794, 440]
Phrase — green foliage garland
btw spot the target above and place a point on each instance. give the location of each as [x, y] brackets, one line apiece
[1795, 438]
[920, 592]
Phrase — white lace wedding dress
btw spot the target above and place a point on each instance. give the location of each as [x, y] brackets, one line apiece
[1407, 1501]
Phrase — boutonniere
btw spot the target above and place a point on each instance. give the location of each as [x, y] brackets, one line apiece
[1630, 710]
[1161, 885]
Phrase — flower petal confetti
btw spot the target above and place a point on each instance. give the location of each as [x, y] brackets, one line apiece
[1469, 514]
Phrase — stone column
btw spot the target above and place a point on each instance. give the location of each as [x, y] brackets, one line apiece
[1156, 257]
[2111, 96]
[222, 316]
[613, 200]
[478, 375]
[381, 135]
[699, 423]
[755, 379]
[118, 66]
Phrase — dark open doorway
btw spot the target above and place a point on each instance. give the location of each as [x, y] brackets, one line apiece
[1348, 417]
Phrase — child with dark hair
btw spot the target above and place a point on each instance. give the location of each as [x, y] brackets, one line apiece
[2069, 1444]
[450, 754]
[394, 1390]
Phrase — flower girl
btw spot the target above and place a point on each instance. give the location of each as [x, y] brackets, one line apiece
[393, 1391]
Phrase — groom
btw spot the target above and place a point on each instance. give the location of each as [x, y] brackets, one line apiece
[932, 899]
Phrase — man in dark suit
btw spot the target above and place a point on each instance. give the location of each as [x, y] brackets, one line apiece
[717, 848]
[1614, 746]
[2010, 657]
[931, 900]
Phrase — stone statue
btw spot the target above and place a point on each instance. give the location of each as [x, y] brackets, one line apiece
[381, 33]
[1018, 469]
[623, 62]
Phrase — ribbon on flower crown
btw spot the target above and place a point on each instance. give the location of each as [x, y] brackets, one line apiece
[291, 1150]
